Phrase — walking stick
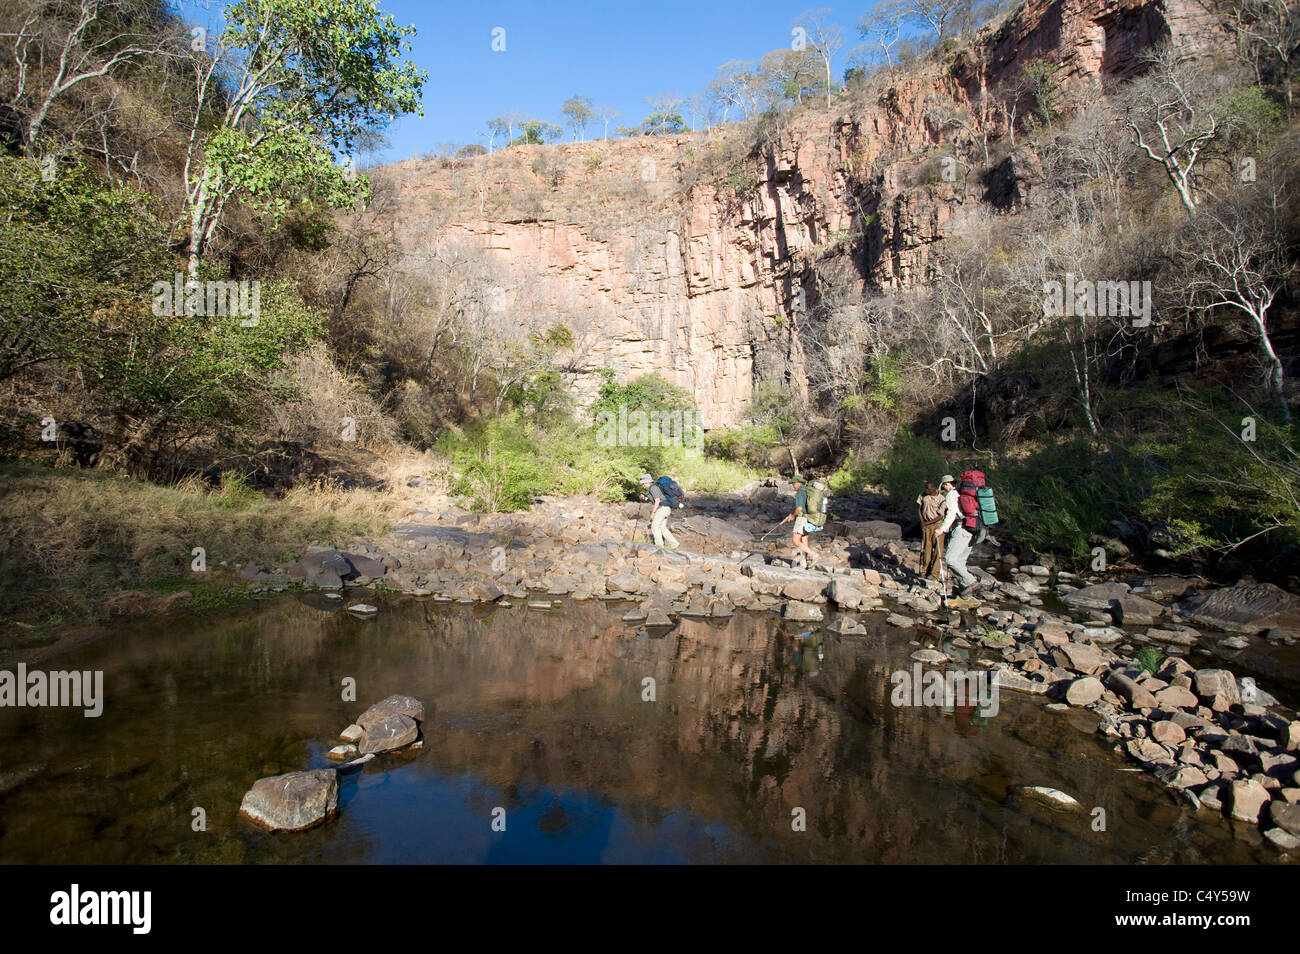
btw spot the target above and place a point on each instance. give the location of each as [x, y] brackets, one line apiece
[943, 575]
[764, 536]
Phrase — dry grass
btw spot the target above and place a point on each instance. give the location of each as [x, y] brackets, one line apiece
[71, 538]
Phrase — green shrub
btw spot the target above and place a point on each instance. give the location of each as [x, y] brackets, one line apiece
[1058, 495]
[748, 444]
[1149, 659]
[1175, 461]
[236, 493]
[650, 393]
[908, 465]
[503, 463]
[854, 476]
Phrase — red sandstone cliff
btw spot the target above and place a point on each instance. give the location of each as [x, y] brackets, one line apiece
[673, 255]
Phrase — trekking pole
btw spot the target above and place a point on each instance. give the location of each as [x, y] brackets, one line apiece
[943, 575]
[773, 530]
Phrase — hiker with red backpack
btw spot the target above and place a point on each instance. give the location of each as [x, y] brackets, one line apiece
[969, 508]
[959, 537]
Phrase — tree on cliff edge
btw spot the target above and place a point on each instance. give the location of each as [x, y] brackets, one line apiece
[824, 37]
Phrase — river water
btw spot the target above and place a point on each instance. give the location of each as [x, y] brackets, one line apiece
[547, 716]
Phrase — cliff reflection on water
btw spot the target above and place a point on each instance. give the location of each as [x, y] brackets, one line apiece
[543, 714]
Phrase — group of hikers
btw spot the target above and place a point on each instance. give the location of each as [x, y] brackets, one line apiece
[957, 512]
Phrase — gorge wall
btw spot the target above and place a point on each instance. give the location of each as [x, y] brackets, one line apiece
[684, 255]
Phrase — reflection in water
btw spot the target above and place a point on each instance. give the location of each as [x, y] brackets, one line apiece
[543, 715]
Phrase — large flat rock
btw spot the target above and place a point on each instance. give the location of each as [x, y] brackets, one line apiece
[868, 529]
[392, 733]
[1244, 608]
[294, 801]
[715, 529]
[1095, 597]
[408, 706]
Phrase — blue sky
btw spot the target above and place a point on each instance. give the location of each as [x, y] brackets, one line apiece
[616, 52]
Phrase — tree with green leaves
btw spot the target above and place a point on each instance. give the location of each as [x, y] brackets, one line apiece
[537, 132]
[293, 82]
[579, 114]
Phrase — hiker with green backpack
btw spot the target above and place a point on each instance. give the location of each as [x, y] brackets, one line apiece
[809, 516]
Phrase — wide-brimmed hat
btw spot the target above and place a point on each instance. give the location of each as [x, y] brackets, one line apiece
[646, 479]
[947, 479]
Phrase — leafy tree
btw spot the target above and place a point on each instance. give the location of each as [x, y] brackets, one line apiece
[74, 255]
[297, 80]
[579, 114]
[651, 393]
[536, 132]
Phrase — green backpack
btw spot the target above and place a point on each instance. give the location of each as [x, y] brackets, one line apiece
[815, 512]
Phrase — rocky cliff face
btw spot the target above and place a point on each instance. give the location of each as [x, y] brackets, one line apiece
[688, 255]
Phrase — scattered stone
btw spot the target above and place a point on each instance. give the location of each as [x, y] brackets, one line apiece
[1085, 691]
[341, 752]
[932, 656]
[1175, 697]
[1138, 697]
[1285, 815]
[1096, 597]
[797, 611]
[1244, 608]
[1171, 637]
[1082, 658]
[1167, 732]
[1051, 796]
[1246, 798]
[363, 610]
[1132, 610]
[657, 616]
[844, 594]
[1005, 677]
[1187, 777]
[1145, 750]
[1283, 839]
[352, 733]
[1212, 683]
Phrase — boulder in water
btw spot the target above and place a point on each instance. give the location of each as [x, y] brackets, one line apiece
[294, 801]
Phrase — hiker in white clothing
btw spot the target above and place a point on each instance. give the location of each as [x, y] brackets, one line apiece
[958, 548]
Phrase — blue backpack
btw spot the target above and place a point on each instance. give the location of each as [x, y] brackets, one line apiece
[672, 491]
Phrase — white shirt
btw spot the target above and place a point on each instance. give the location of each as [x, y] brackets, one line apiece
[952, 512]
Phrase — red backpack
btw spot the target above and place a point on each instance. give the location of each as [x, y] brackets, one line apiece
[967, 501]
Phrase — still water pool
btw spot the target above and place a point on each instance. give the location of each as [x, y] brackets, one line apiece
[546, 715]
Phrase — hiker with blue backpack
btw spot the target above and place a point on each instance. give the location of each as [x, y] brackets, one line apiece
[665, 496]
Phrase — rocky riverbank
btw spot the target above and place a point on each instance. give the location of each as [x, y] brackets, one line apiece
[1120, 649]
